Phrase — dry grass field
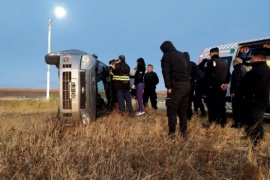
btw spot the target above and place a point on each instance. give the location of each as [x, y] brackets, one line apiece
[34, 146]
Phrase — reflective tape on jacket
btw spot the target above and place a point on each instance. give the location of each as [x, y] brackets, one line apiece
[121, 78]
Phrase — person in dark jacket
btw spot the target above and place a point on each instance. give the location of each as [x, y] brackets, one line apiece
[254, 92]
[150, 81]
[216, 79]
[194, 72]
[121, 83]
[237, 75]
[139, 84]
[177, 81]
[114, 97]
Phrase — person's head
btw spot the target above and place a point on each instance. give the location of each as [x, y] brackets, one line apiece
[149, 68]
[112, 62]
[122, 58]
[167, 46]
[214, 51]
[258, 55]
[140, 62]
[236, 61]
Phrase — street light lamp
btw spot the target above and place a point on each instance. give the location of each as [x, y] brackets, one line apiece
[59, 13]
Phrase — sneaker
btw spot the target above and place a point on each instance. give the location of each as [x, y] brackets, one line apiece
[139, 113]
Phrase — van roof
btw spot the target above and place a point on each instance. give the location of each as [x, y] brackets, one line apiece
[236, 44]
[227, 47]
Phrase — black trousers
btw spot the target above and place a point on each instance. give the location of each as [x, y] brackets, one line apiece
[190, 100]
[236, 110]
[215, 102]
[177, 105]
[150, 92]
[252, 118]
[198, 104]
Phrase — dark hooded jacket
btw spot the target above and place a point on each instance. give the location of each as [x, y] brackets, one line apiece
[174, 65]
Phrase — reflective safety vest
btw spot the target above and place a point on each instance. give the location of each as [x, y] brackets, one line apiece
[120, 78]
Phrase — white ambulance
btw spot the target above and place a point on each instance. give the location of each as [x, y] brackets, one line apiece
[239, 49]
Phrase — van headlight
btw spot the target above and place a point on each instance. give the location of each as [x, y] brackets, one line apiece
[86, 61]
[85, 117]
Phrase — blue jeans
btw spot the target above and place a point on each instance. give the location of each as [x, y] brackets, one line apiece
[139, 95]
[122, 96]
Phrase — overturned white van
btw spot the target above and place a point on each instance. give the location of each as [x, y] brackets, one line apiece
[84, 86]
[239, 49]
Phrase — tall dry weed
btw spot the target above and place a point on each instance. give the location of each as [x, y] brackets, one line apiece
[33, 146]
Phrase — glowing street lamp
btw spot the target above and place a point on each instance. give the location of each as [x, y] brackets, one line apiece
[59, 13]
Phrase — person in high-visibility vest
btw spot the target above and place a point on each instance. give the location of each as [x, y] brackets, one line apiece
[121, 83]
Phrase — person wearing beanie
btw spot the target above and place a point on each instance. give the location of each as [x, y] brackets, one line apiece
[237, 75]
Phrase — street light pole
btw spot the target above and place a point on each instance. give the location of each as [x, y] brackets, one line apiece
[48, 66]
[59, 12]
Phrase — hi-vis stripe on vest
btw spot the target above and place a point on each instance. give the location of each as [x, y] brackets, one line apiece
[121, 78]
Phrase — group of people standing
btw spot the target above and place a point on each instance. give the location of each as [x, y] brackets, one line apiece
[145, 82]
[249, 90]
[187, 82]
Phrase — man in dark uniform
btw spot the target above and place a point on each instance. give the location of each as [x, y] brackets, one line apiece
[237, 75]
[150, 81]
[216, 79]
[254, 91]
[177, 81]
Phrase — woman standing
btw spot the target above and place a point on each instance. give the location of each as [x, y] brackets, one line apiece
[139, 84]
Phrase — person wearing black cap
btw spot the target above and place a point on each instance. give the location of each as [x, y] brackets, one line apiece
[237, 75]
[254, 92]
[177, 81]
[217, 76]
[121, 83]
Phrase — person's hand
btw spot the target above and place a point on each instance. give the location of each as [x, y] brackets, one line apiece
[224, 86]
[232, 94]
[169, 90]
